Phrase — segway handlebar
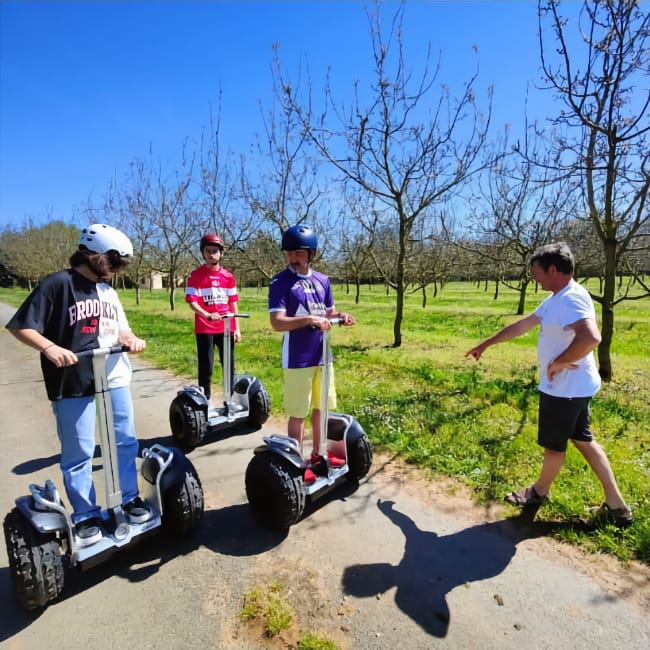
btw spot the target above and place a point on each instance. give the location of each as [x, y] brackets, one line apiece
[235, 315]
[99, 352]
[333, 321]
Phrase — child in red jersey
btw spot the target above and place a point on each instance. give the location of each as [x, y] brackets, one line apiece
[211, 293]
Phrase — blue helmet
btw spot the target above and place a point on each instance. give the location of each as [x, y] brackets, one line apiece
[299, 238]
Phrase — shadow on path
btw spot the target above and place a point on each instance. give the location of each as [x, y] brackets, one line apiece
[433, 565]
[227, 531]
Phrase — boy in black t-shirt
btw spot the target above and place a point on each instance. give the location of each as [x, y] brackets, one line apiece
[71, 311]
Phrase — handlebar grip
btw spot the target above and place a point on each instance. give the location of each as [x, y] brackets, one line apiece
[114, 349]
[333, 321]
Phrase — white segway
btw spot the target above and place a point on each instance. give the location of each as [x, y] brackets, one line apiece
[274, 477]
[41, 537]
[247, 402]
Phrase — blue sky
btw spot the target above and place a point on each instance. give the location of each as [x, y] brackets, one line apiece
[85, 87]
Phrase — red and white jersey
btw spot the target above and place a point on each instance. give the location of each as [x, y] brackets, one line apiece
[215, 291]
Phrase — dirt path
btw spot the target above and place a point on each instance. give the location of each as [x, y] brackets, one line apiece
[399, 562]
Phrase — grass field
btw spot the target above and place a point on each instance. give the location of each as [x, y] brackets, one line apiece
[472, 421]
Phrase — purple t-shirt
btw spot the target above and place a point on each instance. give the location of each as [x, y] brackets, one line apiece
[301, 295]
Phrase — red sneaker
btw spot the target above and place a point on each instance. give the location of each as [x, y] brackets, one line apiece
[334, 461]
[308, 477]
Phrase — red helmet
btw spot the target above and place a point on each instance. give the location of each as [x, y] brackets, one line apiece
[212, 240]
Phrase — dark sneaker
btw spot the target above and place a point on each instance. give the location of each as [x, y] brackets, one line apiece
[88, 532]
[620, 517]
[137, 511]
[332, 460]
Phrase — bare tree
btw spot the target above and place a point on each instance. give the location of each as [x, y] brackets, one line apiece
[356, 230]
[520, 205]
[163, 216]
[599, 67]
[216, 186]
[124, 205]
[407, 158]
[429, 261]
[280, 182]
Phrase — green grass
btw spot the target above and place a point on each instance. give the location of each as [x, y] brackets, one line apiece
[269, 606]
[316, 642]
[472, 421]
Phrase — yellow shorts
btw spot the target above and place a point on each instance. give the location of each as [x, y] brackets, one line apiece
[302, 390]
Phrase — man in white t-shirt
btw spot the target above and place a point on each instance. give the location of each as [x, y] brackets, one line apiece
[568, 379]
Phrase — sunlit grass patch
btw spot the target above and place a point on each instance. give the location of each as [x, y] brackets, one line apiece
[270, 606]
[473, 421]
[316, 642]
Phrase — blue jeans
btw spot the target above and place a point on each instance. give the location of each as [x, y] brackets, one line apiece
[75, 423]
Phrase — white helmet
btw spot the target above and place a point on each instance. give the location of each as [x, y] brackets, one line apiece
[100, 238]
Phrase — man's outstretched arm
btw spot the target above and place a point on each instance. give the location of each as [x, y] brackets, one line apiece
[509, 332]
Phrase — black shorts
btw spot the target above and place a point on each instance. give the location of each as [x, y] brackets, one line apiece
[562, 419]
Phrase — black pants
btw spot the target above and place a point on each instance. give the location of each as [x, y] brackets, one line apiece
[205, 345]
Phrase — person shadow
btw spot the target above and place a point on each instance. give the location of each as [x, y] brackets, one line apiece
[433, 565]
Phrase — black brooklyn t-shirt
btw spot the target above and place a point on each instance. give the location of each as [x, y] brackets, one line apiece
[66, 308]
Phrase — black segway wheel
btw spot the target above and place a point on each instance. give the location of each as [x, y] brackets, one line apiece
[187, 421]
[35, 562]
[259, 404]
[359, 457]
[275, 490]
[183, 505]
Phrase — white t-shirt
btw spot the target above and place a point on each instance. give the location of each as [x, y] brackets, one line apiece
[112, 321]
[557, 313]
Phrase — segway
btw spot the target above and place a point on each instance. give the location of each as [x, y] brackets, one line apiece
[41, 537]
[191, 415]
[275, 486]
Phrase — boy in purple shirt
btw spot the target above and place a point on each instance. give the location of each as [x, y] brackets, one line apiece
[300, 306]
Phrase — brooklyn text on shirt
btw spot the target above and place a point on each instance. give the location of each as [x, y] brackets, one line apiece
[91, 308]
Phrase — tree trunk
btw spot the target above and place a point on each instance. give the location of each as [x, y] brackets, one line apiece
[172, 291]
[522, 298]
[400, 287]
[399, 315]
[607, 304]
